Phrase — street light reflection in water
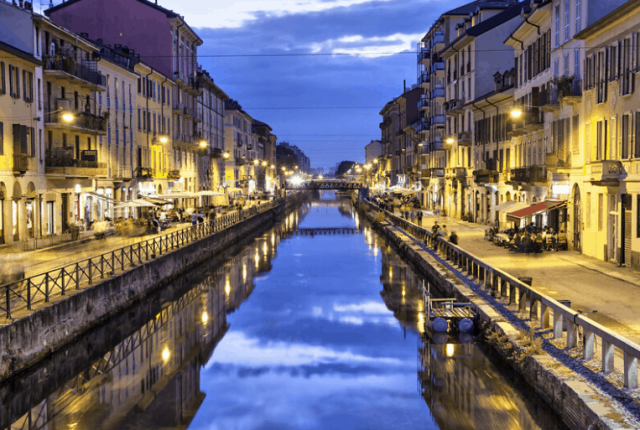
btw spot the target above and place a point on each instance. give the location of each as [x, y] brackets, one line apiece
[294, 332]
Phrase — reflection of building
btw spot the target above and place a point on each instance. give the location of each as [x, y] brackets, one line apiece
[465, 391]
[151, 379]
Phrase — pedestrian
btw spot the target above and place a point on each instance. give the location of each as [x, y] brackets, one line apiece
[435, 228]
[194, 219]
[453, 238]
[413, 217]
[420, 218]
[200, 218]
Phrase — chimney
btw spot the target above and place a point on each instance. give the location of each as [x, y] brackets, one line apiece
[404, 83]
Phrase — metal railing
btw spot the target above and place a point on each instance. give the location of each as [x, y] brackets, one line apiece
[42, 287]
[540, 306]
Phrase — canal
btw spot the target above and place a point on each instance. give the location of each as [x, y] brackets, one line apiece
[302, 328]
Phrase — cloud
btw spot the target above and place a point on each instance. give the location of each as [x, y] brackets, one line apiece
[235, 14]
[369, 47]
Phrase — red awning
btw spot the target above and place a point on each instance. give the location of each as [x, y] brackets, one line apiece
[535, 209]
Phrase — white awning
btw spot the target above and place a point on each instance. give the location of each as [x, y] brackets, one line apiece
[511, 206]
[209, 193]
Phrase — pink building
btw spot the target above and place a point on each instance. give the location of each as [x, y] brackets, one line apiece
[161, 36]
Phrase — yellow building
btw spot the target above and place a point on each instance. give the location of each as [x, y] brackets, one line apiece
[238, 138]
[21, 153]
[156, 171]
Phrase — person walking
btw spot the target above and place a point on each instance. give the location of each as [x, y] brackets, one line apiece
[453, 238]
[420, 218]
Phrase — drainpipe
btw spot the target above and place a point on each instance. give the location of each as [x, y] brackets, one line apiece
[519, 41]
[497, 113]
[531, 24]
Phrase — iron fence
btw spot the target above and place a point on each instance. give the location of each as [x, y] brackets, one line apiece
[539, 306]
[42, 287]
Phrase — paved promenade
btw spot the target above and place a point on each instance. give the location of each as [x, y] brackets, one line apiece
[589, 283]
[42, 260]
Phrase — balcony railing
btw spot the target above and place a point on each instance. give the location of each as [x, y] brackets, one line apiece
[460, 172]
[424, 54]
[85, 70]
[548, 100]
[144, 173]
[61, 161]
[437, 66]
[570, 89]
[241, 161]
[425, 77]
[174, 174]
[423, 103]
[558, 159]
[438, 38]
[217, 153]
[437, 119]
[82, 120]
[606, 170]
[20, 163]
[521, 174]
[423, 125]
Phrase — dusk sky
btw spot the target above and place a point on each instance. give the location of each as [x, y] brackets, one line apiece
[251, 27]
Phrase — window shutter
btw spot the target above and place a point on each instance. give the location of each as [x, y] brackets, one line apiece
[575, 147]
[11, 80]
[17, 92]
[637, 140]
[24, 85]
[1, 138]
[16, 138]
[588, 142]
[3, 89]
[24, 143]
[554, 136]
[33, 142]
[30, 86]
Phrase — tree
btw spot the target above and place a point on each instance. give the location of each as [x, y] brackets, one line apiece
[343, 167]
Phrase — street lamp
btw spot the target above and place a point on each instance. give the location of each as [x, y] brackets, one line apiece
[255, 162]
[163, 139]
[203, 143]
[68, 116]
[225, 155]
[516, 113]
[450, 140]
[264, 163]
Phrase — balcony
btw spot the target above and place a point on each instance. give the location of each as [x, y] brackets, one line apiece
[437, 93]
[486, 176]
[409, 169]
[570, 90]
[60, 161]
[385, 123]
[145, 173]
[187, 112]
[194, 86]
[433, 173]
[241, 161]
[454, 106]
[606, 171]
[178, 108]
[448, 143]
[558, 161]
[548, 100]
[460, 172]
[83, 122]
[67, 68]
[121, 174]
[423, 126]
[423, 103]
[538, 174]
[520, 175]
[464, 138]
[174, 174]
[425, 79]
[437, 66]
[438, 40]
[437, 120]
[424, 56]
[23, 163]
[217, 153]
[532, 121]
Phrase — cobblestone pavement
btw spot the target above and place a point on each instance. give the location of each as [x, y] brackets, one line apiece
[589, 283]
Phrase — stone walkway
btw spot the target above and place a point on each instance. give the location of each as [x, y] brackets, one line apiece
[589, 284]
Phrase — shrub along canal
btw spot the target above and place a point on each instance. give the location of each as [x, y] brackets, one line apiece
[315, 324]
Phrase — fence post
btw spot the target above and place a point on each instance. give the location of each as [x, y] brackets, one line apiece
[630, 371]
[544, 316]
[62, 278]
[572, 334]
[589, 343]
[8, 299]
[102, 266]
[522, 299]
[29, 293]
[607, 357]
[46, 287]
[558, 319]
[77, 277]
[512, 294]
[90, 271]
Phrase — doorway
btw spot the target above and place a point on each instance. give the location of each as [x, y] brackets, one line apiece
[612, 230]
[577, 219]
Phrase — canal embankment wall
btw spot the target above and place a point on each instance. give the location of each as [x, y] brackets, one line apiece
[47, 327]
[578, 401]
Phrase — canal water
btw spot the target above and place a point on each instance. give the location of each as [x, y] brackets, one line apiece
[315, 324]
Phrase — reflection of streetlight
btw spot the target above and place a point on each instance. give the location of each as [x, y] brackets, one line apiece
[449, 350]
[205, 317]
[166, 354]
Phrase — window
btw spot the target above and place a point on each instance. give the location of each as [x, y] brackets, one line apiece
[576, 63]
[588, 210]
[3, 87]
[567, 9]
[637, 215]
[578, 7]
[1, 138]
[626, 136]
[557, 22]
[566, 65]
[556, 68]
[637, 140]
[600, 211]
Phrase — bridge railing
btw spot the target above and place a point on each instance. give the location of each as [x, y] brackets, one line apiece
[325, 185]
[541, 307]
[24, 293]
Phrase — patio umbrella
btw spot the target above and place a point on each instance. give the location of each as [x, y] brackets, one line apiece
[178, 195]
[209, 193]
[135, 204]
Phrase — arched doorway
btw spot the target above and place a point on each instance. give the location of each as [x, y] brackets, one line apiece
[577, 219]
[16, 199]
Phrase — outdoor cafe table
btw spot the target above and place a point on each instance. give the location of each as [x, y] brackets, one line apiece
[501, 238]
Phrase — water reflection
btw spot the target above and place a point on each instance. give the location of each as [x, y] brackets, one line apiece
[302, 340]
